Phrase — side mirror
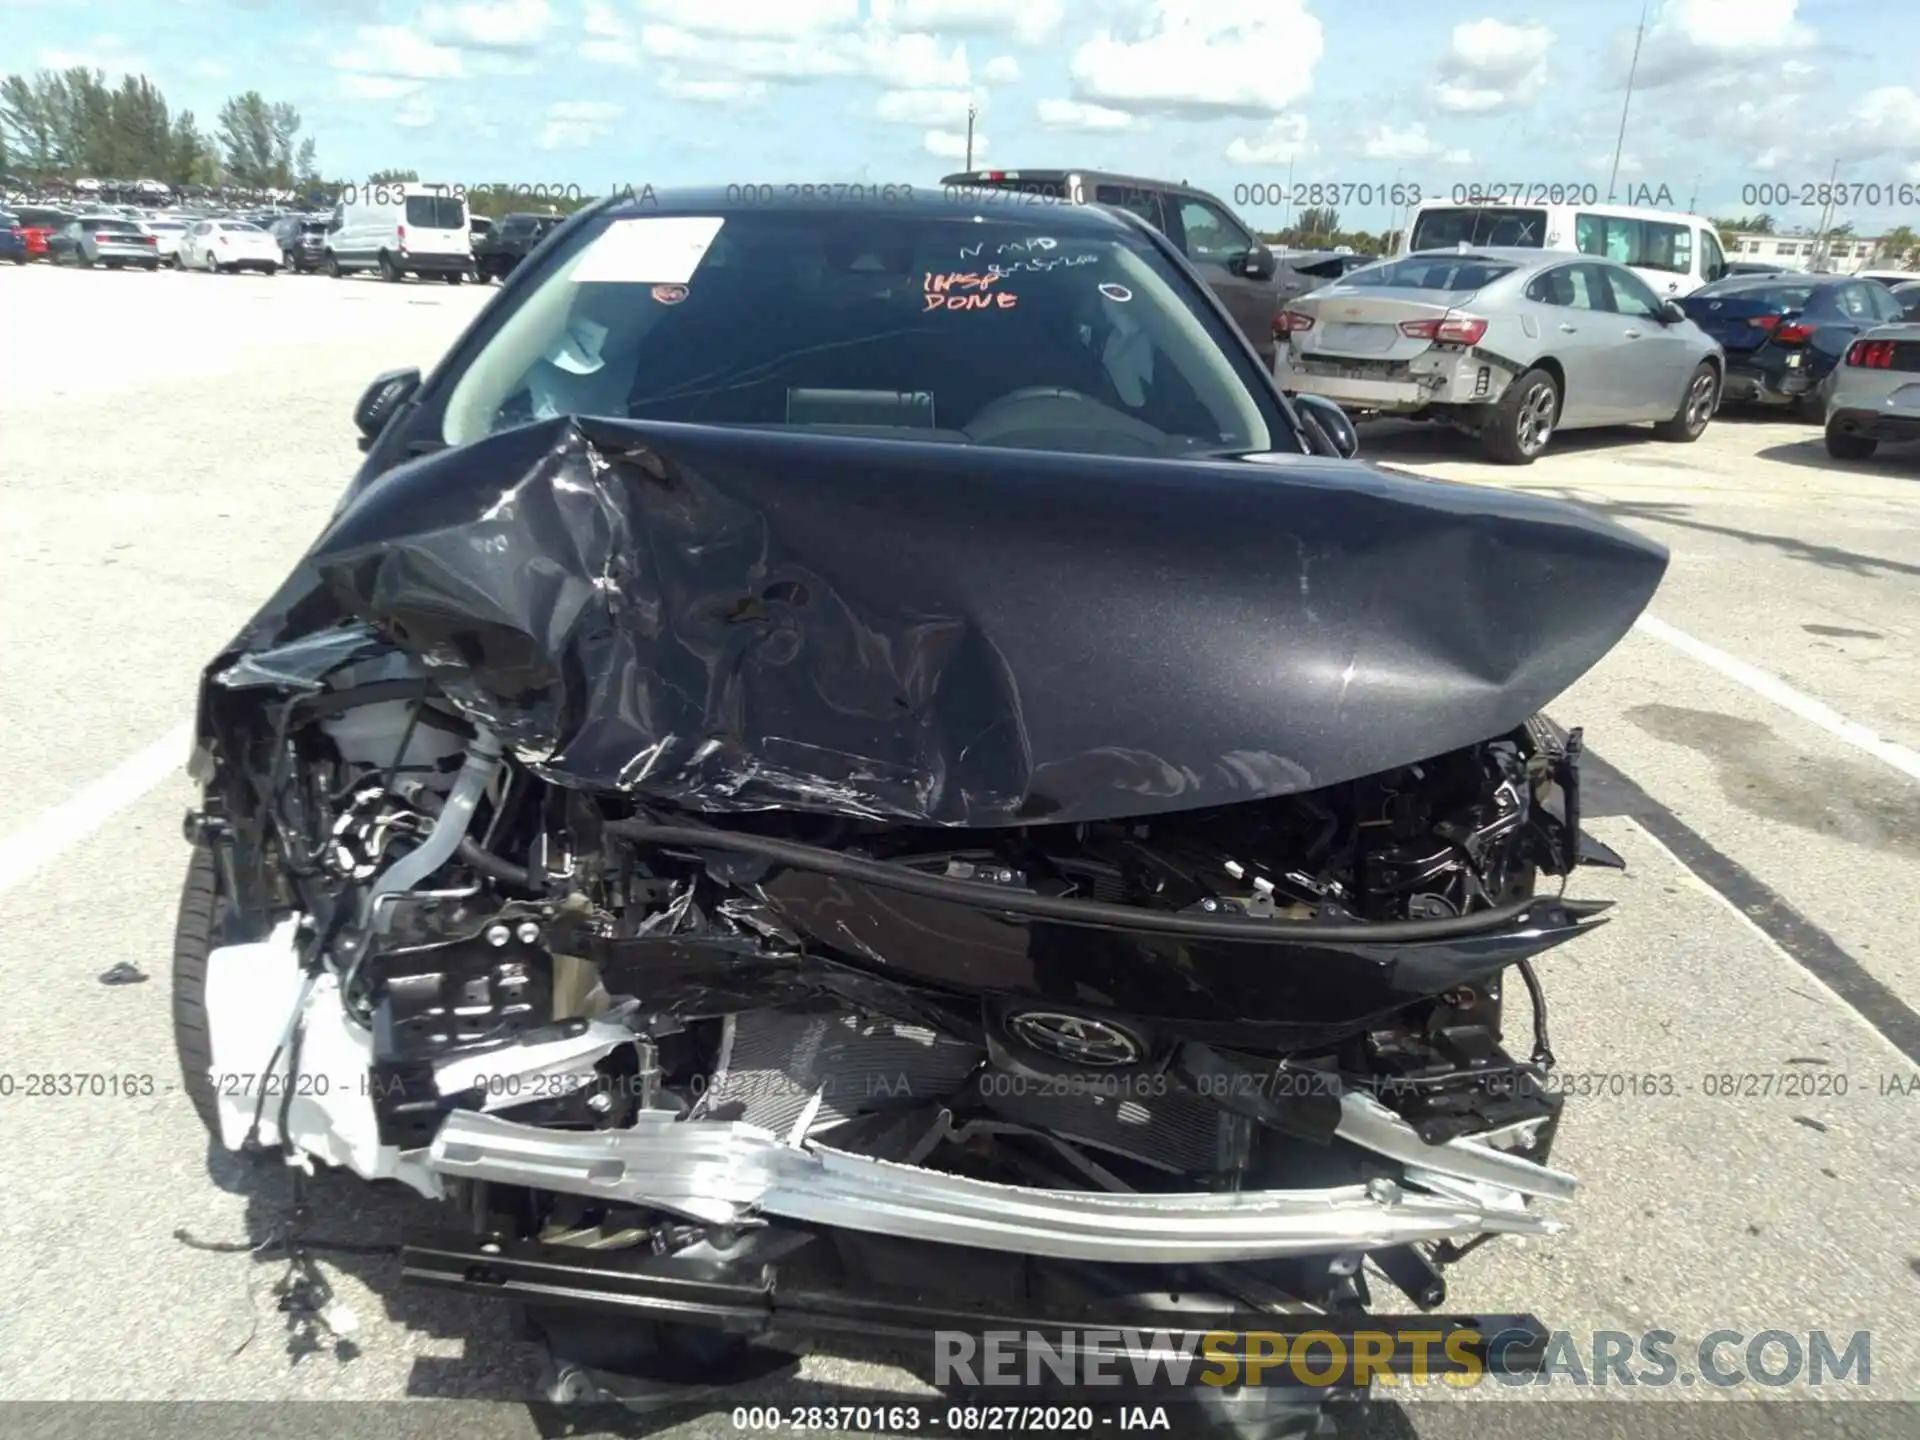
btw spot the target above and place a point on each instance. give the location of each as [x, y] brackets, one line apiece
[381, 400]
[1333, 423]
[1257, 263]
[1672, 312]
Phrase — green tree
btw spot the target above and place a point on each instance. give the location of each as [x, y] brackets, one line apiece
[1743, 224]
[394, 177]
[141, 131]
[257, 141]
[1897, 246]
[32, 117]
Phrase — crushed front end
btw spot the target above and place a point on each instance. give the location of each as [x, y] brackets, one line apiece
[760, 1054]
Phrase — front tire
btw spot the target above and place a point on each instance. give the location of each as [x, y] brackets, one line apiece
[192, 943]
[332, 266]
[1842, 446]
[389, 271]
[1523, 420]
[1697, 405]
[455, 277]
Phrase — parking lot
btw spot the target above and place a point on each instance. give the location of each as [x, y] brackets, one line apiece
[170, 443]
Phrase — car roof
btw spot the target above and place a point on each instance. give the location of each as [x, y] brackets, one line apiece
[920, 202]
[1525, 257]
[1767, 282]
[1098, 177]
[1630, 212]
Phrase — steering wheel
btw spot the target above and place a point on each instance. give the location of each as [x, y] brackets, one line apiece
[1003, 416]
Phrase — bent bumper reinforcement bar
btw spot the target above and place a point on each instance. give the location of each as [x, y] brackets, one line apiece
[730, 1174]
[750, 1300]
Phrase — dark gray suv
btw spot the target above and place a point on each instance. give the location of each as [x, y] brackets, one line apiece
[1253, 281]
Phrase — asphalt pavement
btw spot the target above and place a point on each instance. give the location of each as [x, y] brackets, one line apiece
[169, 444]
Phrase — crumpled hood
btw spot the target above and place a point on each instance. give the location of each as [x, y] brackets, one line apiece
[739, 619]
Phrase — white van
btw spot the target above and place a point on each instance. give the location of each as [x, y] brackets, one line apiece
[400, 230]
[1674, 253]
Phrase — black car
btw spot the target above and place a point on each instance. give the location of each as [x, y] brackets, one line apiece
[302, 240]
[1784, 334]
[496, 254]
[1908, 295]
[803, 706]
[1252, 281]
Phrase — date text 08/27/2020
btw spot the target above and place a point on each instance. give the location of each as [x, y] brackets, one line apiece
[575, 196]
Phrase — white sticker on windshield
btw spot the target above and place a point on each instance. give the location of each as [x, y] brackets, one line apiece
[658, 250]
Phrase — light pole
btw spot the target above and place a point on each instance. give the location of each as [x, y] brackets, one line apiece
[1632, 69]
[972, 110]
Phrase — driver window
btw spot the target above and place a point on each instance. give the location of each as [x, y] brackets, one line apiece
[1213, 236]
[1713, 262]
[1631, 295]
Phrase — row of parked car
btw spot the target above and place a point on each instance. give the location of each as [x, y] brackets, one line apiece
[126, 237]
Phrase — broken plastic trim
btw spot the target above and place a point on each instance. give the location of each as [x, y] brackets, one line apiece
[727, 1173]
[1097, 914]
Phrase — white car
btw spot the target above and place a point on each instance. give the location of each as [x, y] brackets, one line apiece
[167, 234]
[218, 246]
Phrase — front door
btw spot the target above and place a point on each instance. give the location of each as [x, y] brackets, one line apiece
[1218, 245]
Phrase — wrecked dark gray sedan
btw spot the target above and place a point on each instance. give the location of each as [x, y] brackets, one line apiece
[852, 769]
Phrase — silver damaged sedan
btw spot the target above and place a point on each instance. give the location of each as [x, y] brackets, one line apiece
[1510, 345]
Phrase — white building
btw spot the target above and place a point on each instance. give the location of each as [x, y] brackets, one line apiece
[1803, 250]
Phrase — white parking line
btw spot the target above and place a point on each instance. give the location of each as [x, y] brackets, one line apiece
[1772, 687]
[66, 825]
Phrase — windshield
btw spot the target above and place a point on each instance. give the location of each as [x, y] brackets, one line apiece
[955, 328]
[1479, 225]
[1431, 272]
[436, 212]
[240, 225]
[166, 225]
[109, 226]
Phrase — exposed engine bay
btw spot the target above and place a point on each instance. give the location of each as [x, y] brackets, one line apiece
[1232, 1048]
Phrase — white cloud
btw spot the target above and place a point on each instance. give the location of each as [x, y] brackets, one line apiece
[416, 113]
[510, 25]
[1029, 22]
[376, 87]
[1490, 65]
[1883, 124]
[211, 69]
[1629, 164]
[609, 38]
[1200, 58]
[713, 92]
[576, 124]
[922, 108]
[1412, 143]
[948, 145]
[395, 52]
[1282, 142]
[914, 62]
[103, 52]
[1691, 38]
[1074, 115]
[1457, 157]
[1001, 70]
[767, 20]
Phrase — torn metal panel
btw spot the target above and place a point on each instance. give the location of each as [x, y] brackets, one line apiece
[737, 620]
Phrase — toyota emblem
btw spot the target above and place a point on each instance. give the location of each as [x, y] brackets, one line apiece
[1078, 1038]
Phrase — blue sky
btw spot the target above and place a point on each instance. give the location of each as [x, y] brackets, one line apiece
[1731, 93]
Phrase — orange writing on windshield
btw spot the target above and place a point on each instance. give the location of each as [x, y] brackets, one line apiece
[965, 291]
